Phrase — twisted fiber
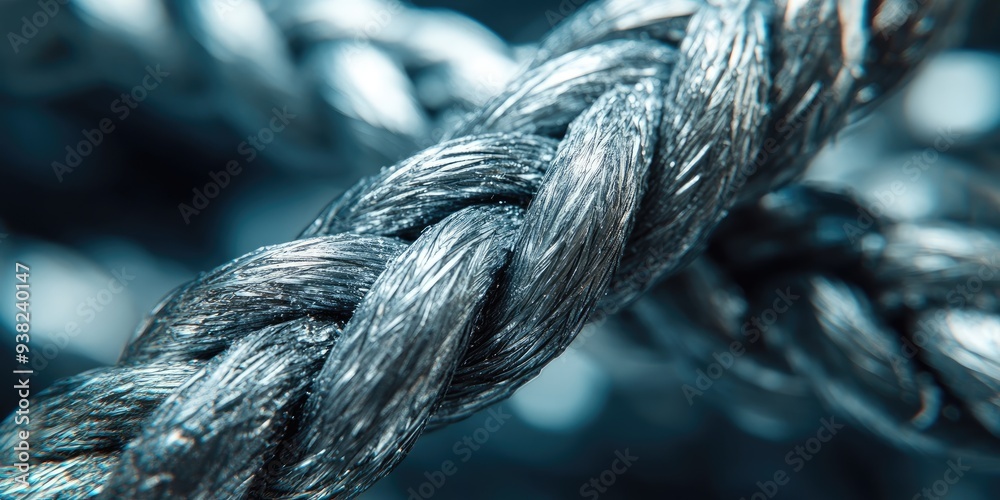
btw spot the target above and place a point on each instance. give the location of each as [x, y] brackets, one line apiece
[449, 280]
[896, 330]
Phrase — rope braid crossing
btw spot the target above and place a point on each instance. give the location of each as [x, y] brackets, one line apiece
[440, 286]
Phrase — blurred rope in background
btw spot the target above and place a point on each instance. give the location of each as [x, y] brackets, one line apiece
[117, 216]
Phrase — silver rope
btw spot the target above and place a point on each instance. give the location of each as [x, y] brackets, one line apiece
[876, 326]
[441, 285]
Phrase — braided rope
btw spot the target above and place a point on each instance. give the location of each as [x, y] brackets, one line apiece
[438, 287]
[875, 326]
[364, 78]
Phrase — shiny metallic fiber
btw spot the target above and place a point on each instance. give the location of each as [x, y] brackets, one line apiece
[378, 388]
[77, 477]
[98, 410]
[214, 433]
[80, 423]
[324, 277]
[833, 62]
[568, 248]
[406, 198]
[714, 116]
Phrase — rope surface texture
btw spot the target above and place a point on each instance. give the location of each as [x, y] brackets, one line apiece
[441, 285]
